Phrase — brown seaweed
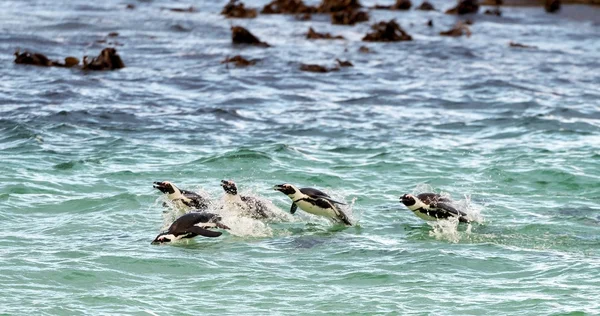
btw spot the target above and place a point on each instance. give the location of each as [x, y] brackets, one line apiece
[37, 59]
[107, 60]
[399, 5]
[287, 7]
[495, 11]
[235, 9]
[349, 17]
[518, 45]
[130, 6]
[459, 29]
[364, 50]
[344, 63]
[312, 34]
[387, 32]
[191, 9]
[330, 6]
[426, 6]
[239, 61]
[316, 68]
[464, 7]
[240, 35]
[552, 6]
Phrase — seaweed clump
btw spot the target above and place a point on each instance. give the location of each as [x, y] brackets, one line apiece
[287, 7]
[107, 60]
[316, 68]
[399, 5]
[312, 34]
[387, 32]
[458, 30]
[239, 61]
[240, 35]
[426, 6]
[235, 9]
[465, 7]
[37, 59]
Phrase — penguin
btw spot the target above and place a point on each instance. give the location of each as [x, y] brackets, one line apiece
[314, 202]
[191, 225]
[432, 206]
[182, 197]
[253, 206]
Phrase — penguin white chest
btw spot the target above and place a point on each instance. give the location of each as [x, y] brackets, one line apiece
[424, 216]
[315, 210]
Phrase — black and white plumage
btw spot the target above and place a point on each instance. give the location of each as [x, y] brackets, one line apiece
[254, 207]
[314, 202]
[191, 225]
[432, 207]
[182, 197]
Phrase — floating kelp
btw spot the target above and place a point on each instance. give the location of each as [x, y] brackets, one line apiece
[239, 61]
[344, 63]
[387, 32]
[349, 17]
[235, 9]
[518, 45]
[107, 60]
[37, 59]
[552, 6]
[329, 6]
[130, 6]
[465, 7]
[430, 23]
[287, 7]
[191, 9]
[426, 6]
[459, 29]
[312, 34]
[240, 35]
[495, 11]
[316, 68]
[364, 50]
[399, 5]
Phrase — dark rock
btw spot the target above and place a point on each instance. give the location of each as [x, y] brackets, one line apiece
[387, 32]
[430, 23]
[349, 17]
[130, 6]
[426, 6]
[517, 45]
[107, 60]
[552, 6]
[312, 34]
[113, 34]
[344, 63]
[240, 35]
[316, 68]
[465, 7]
[239, 61]
[287, 7]
[235, 9]
[459, 29]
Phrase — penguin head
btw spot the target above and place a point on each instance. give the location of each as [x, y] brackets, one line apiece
[165, 187]
[408, 200]
[285, 188]
[229, 187]
[163, 238]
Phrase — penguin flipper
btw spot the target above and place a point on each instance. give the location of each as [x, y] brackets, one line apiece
[293, 208]
[204, 232]
[448, 208]
[342, 216]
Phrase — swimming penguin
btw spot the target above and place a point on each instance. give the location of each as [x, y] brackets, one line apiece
[191, 225]
[314, 202]
[253, 206]
[432, 206]
[182, 197]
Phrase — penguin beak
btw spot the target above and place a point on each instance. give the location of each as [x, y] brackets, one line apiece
[223, 183]
[278, 187]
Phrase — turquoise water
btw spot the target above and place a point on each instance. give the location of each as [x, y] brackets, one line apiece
[512, 134]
